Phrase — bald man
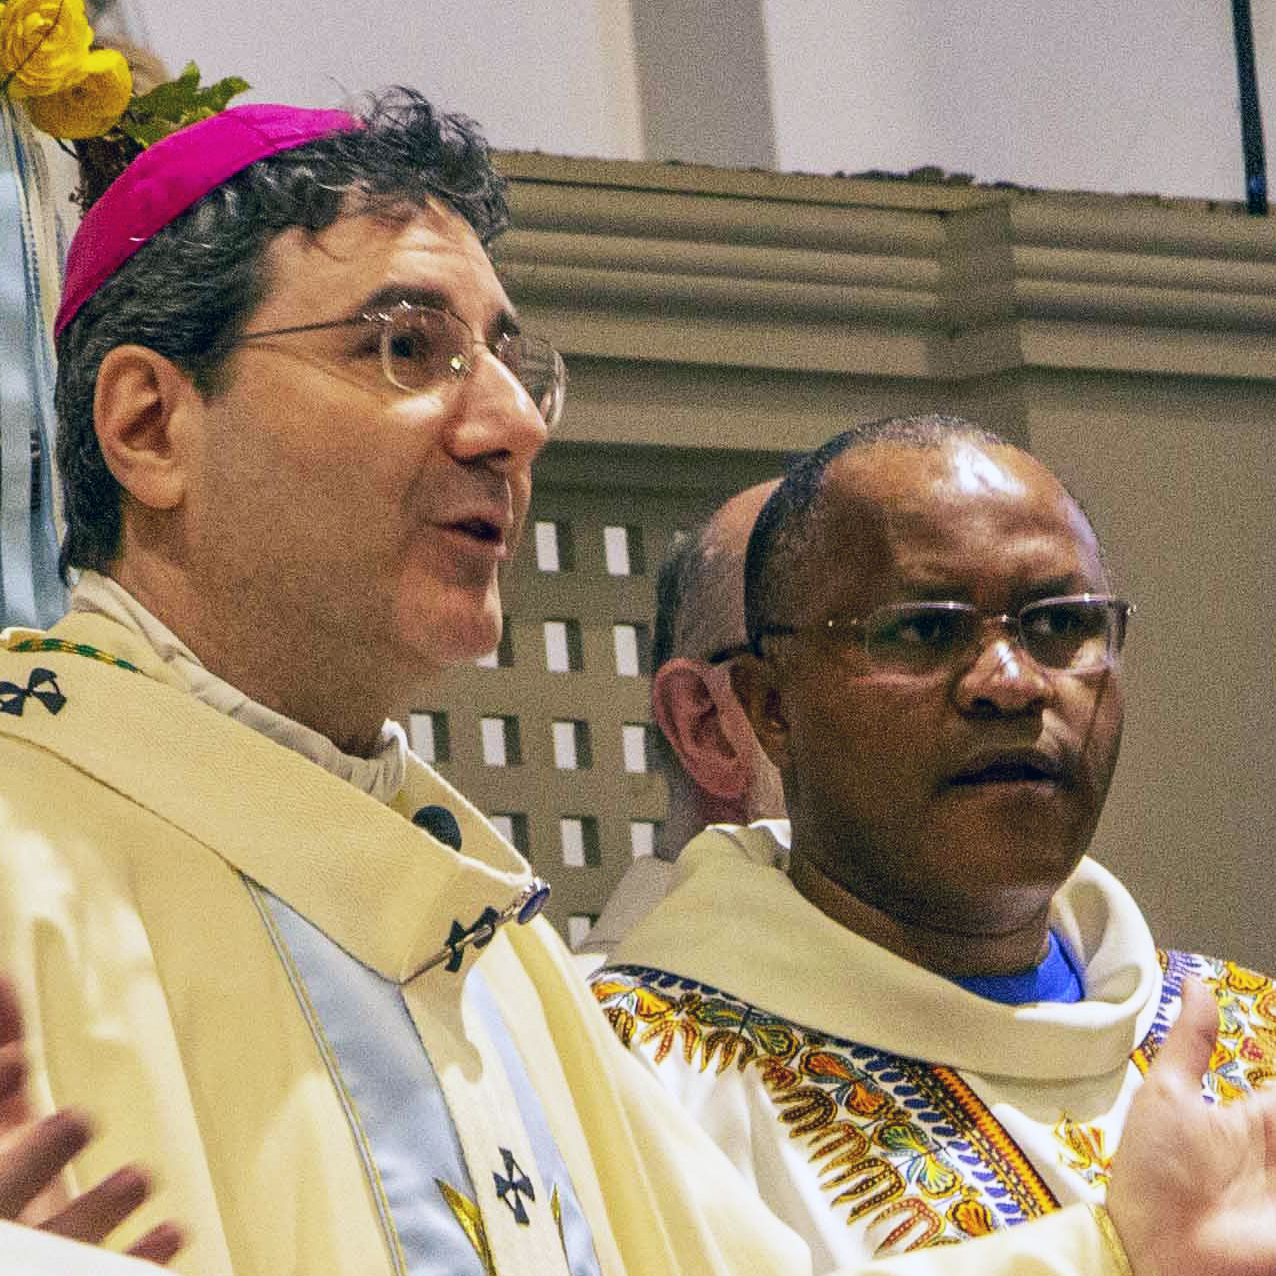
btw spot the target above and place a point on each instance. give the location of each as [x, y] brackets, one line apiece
[714, 768]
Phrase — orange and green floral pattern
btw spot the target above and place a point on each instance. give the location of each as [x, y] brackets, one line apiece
[1245, 1056]
[903, 1149]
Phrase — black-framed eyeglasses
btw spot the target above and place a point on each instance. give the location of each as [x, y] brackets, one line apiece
[423, 347]
[1074, 633]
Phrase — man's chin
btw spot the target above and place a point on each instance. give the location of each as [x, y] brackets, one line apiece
[1021, 814]
[448, 637]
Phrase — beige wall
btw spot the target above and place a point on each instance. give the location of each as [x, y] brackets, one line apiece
[1090, 94]
[1179, 476]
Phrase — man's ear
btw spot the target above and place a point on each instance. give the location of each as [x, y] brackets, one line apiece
[755, 686]
[141, 411]
[687, 711]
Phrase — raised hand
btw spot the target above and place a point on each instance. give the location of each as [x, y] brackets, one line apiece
[1193, 1189]
[33, 1154]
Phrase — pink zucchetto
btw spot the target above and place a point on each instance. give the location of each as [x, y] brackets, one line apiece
[170, 176]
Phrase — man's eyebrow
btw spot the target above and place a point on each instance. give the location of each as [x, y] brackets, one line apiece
[386, 298]
[940, 590]
[1056, 586]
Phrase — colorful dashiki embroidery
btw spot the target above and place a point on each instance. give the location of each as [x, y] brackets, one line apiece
[904, 1151]
[1245, 1056]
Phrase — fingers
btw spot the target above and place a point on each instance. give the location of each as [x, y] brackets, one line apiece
[38, 1157]
[160, 1245]
[92, 1216]
[32, 1156]
[1186, 1053]
[10, 1013]
[14, 1110]
[13, 1080]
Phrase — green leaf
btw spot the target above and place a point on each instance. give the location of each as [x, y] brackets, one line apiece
[167, 101]
[176, 104]
[219, 94]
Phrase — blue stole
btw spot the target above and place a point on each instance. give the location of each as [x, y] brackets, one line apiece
[398, 1114]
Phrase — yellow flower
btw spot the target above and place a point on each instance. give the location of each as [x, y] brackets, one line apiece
[91, 107]
[44, 45]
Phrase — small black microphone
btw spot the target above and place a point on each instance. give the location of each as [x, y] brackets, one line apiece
[440, 824]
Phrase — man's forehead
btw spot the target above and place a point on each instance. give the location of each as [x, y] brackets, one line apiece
[715, 619]
[428, 252]
[890, 494]
[961, 474]
[892, 470]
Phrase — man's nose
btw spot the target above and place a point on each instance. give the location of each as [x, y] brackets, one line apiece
[495, 415]
[1002, 678]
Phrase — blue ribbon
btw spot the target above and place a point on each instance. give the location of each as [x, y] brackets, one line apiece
[30, 591]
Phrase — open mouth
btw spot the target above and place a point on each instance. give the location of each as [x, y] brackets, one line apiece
[1012, 769]
[480, 530]
[1006, 773]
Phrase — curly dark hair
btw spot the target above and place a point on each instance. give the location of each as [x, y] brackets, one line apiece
[188, 291]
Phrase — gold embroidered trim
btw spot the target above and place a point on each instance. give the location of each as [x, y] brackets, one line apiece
[1107, 1228]
[471, 1221]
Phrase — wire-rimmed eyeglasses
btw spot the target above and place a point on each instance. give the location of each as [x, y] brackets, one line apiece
[1074, 633]
[422, 347]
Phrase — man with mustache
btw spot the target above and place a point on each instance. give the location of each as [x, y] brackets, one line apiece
[928, 1022]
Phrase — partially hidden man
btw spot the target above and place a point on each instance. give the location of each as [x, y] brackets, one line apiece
[271, 954]
[925, 1022]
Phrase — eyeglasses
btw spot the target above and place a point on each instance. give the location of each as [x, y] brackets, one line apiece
[422, 347]
[1078, 633]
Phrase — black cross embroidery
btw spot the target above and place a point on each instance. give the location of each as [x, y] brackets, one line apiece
[489, 919]
[510, 1184]
[13, 698]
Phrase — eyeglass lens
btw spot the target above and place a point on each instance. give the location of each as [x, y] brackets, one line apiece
[423, 346]
[1065, 634]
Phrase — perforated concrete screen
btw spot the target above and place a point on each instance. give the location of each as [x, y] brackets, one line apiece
[549, 735]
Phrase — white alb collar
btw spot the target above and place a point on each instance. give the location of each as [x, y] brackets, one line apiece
[380, 776]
